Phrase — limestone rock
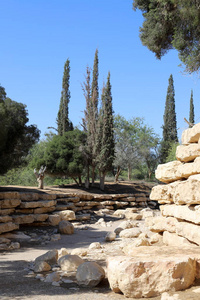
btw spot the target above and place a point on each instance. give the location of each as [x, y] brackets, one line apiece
[168, 172]
[191, 135]
[6, 227]
[41, 266]
[23, 219]
[160, 224]
[139, 277]
[110, 236]
[166, 296]
[9, 203]
[54, 219]
[40, 203]
[5, 219]
[163, 193]
[130, 233]
[189, 231]
[156, 238]
[67, 215]
[69, 262]
[133, 216]
[62, 252]
[50, 257]
[54, 276]
[89, 274]
[188, 191]
[79, 252]
[184, 212]
[65, 227]
[95, 245]
[136, 243]
[186, 153]
[172, 239]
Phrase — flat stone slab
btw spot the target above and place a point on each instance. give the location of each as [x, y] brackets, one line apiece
[149, 271]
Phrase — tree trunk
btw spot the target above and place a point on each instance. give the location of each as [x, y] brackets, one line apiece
[102, 181]
[75, 180]
[80, 181]
[117, 174]
[129, 172]
[93, 175]
[87, 180]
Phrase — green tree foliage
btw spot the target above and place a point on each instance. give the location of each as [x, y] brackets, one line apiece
[172, 24]
[61, 155]
[172, 152]
[136, 145]
[169, 118]
[191, 116]
[16, 137]
[63, 122]
[105, 134]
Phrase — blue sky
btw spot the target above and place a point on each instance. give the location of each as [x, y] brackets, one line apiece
[38, 36]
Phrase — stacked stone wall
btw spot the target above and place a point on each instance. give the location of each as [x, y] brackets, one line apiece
[17, 208]
[180, 195]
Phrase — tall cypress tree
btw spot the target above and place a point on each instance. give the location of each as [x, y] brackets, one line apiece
[93, 119]
[63, 114]
[170, 126]
[191, 116]
[106, 134]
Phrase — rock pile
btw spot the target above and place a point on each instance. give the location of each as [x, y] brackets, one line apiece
[180, 195]
[151, 270]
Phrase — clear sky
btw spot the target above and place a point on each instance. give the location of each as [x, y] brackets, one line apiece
[38, 36]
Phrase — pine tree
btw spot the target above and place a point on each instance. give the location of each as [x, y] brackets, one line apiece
[106, 144]
[191, 117]
[63, 122]
[170, 126]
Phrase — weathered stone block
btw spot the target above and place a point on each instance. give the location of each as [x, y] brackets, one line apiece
[9, 203]
[44, 210]
[184, 212]
[191, 135]
[172, 239]
[6, 227]
[5, 219]
[35, 204]
[186, 153]
[160, 224]
[23, 219]
[148, 277]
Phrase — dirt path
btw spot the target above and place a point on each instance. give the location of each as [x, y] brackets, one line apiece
[16, 283]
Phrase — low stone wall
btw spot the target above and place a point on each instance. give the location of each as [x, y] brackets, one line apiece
[44, 208]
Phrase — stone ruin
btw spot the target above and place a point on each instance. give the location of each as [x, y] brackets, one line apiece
[152, 252]
[174, 265]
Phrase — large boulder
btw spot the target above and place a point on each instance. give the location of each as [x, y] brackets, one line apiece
[150, 271]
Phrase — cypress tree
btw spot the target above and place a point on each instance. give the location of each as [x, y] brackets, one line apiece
[191, 117]
[106, 134]
[63, 122]
[93, 117]
[170, 126]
